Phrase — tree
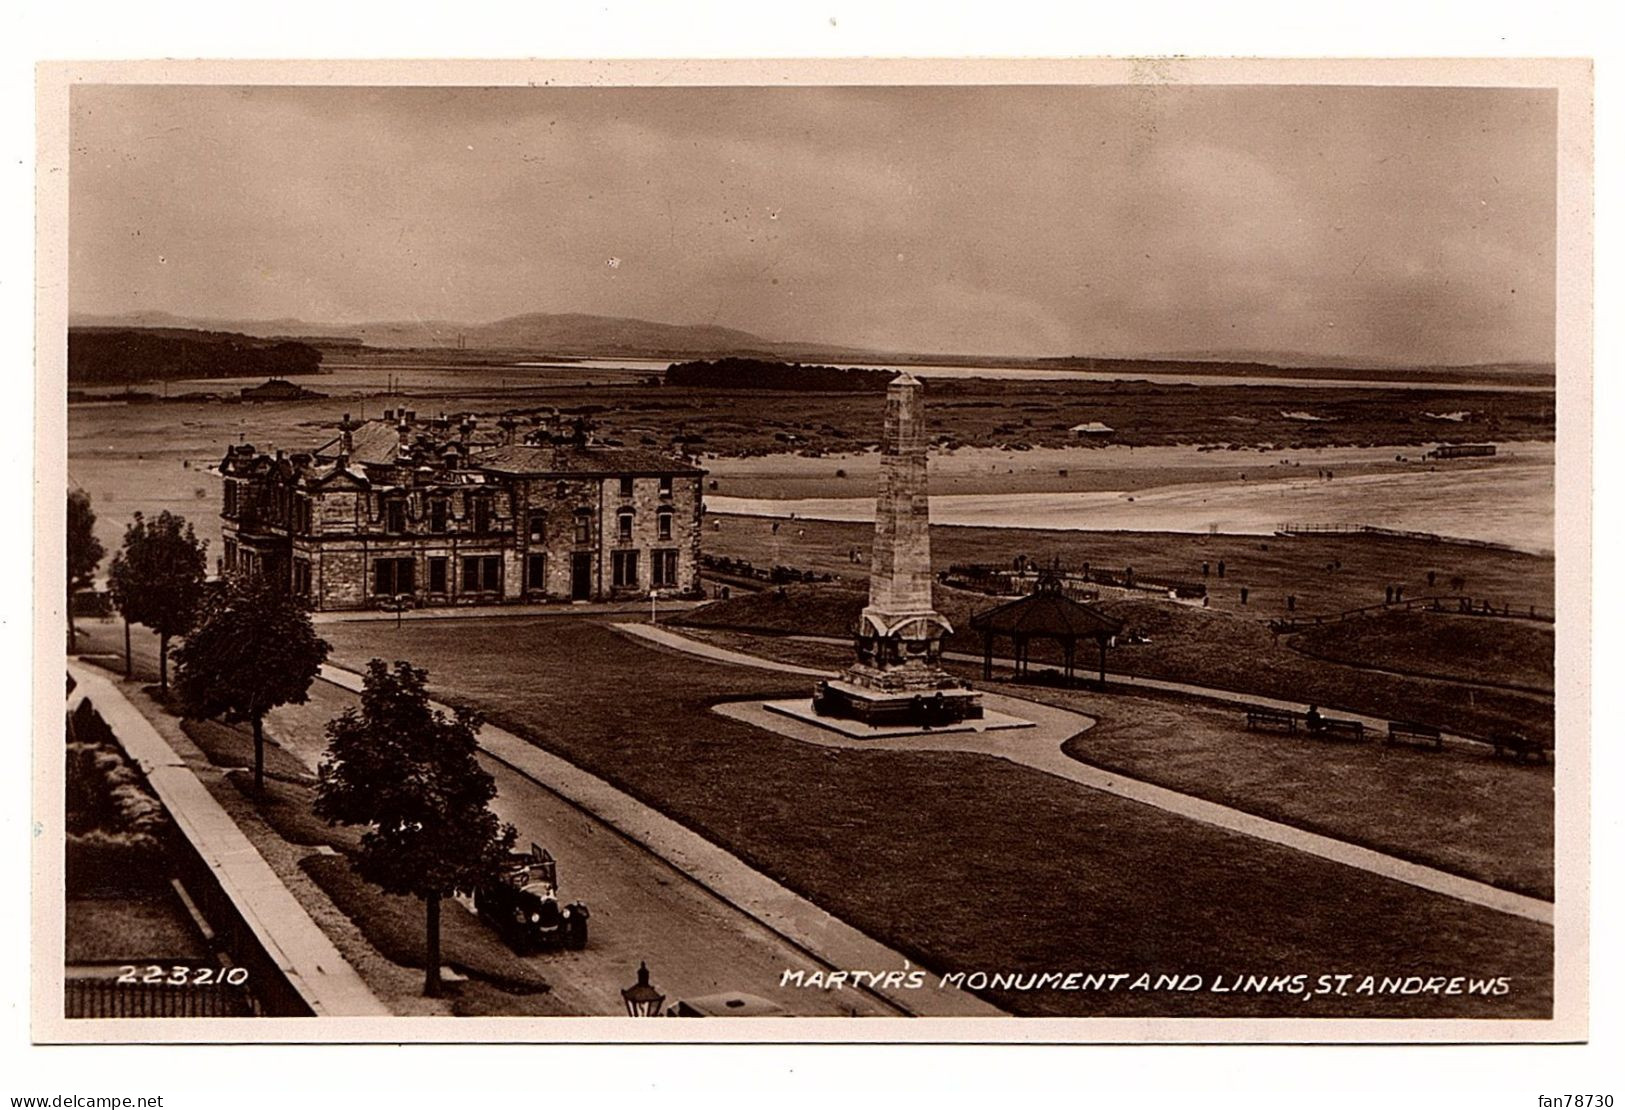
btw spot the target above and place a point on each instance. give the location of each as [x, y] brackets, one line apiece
[253, 649]
[411, 773]
[84, 553]
[157, 580]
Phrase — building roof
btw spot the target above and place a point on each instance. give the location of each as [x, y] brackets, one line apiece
[571, 459]
[1094, 427]
[1046, 612]
[371, 441]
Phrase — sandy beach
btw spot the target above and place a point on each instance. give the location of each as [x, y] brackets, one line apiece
[1508, 499]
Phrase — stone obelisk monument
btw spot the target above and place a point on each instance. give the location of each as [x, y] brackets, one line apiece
[897, 677]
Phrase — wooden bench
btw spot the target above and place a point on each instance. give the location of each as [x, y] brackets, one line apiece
[1333, 729]
[1519, 747]
[1410, 731]
[1262, 716]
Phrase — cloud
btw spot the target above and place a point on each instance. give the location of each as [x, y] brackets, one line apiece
[1378, 222]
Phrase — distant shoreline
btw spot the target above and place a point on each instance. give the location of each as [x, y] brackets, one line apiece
[1508, 499]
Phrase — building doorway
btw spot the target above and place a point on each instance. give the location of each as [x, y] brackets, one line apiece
[581, 576]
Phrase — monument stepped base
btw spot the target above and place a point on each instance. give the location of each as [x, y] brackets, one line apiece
[802, 710]
[839, 699]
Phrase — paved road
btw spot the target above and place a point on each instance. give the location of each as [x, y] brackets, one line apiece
[643, 908]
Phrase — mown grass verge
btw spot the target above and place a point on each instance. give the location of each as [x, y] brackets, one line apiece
[394, 924]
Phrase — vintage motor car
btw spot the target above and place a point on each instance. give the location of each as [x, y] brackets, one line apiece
[524, 906]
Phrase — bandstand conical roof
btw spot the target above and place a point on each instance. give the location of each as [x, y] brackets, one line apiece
[1046, 612]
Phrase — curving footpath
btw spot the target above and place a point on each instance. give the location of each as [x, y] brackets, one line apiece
[1212, 693]
[1040, 750]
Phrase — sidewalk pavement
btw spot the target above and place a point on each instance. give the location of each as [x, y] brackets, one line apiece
[1040, 749]
[800, 921]
[292, 939]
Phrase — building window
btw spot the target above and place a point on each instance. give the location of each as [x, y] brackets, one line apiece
[395, 515]
[536, 572]
[301, 577]
[664, 568]
[231, 554]
[303, 517]
[231, 498]
[538, 527]
[584, 526]
[626, 486]
[663, 522]
[437, 515]
[665, 485]
[623, 525]
[482, 574]
[480, 510]
[624, 564]
[391, 577]
[437, 574]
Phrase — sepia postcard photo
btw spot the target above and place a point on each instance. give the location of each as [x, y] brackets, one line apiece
[872, 551]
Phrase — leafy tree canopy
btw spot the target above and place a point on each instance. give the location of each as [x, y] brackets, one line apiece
[84, 549]
[411, 773]
[157, 578]
[253, 649]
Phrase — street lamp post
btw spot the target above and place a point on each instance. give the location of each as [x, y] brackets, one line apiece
[642, 1000]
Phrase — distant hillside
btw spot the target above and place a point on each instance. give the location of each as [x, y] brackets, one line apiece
[113, 356]
[538, 332]
[580, 335]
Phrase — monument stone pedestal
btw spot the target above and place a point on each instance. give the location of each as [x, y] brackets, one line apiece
[897, 678]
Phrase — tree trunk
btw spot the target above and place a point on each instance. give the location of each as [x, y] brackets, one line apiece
[431, 962]
[73, 633]
[163, 663]
[129, 665]
[259, 753]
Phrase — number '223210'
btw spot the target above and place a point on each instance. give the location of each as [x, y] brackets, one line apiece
[182, 976]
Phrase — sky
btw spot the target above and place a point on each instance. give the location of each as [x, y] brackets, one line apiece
[1392, 224]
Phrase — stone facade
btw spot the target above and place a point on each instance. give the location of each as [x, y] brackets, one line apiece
[396, 512]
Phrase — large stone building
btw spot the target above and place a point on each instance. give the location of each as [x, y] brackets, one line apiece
[398, 511]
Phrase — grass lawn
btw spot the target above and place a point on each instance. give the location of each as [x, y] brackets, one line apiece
[1185, 644]
[966, 862]
[1459, 809]
[394, 924]
[286, 807]
[1442, 645]
[130, 930]
[233, 746]
[1218, 649]
[1326, 574]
